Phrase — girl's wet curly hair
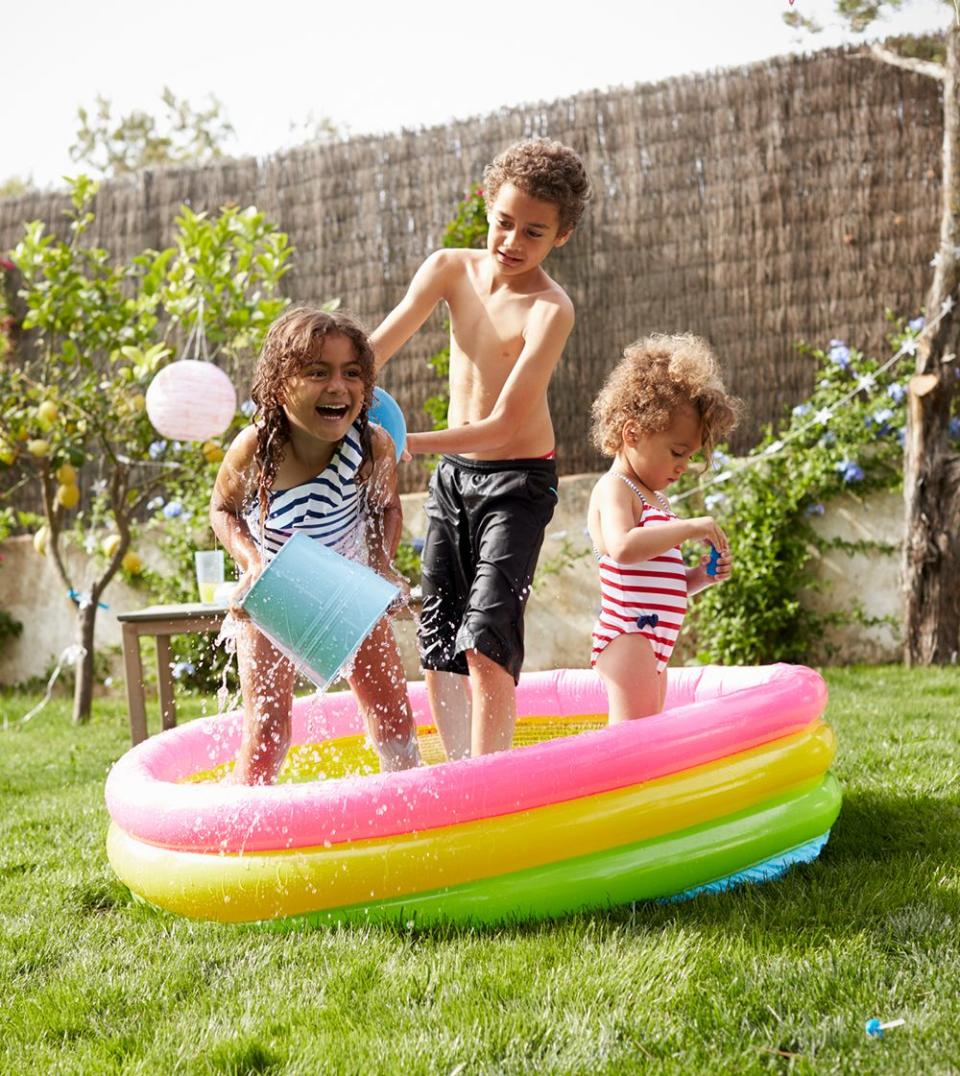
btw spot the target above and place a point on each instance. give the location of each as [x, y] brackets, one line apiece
[294, 339]
[543, 169]
[658, 376]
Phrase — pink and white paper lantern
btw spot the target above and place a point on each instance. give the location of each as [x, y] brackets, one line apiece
[191, 401]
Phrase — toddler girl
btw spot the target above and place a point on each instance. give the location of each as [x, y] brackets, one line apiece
[663, 402]
[311, 462]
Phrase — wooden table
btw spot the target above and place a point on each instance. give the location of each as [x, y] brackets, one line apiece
[160, 621]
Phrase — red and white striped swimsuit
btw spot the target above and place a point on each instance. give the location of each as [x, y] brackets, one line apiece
[649, 598]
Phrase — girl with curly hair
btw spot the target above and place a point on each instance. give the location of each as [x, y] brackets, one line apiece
[311, 462]
[663, 402]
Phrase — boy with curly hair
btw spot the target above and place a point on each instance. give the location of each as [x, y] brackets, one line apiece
[495, 488]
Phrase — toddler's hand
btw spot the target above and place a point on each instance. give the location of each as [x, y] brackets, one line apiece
[706, 529]
[724, 566]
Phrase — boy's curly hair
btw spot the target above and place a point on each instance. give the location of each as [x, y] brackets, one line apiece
[543, 169]
[294, 339]
[656, 377]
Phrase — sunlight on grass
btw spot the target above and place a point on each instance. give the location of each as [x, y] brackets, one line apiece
[775, 978]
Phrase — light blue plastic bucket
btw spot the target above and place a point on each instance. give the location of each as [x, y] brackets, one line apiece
[317, 607]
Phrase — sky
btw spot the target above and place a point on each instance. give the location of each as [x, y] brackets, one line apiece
[369, 67]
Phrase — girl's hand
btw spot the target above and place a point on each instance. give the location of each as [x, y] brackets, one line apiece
[697, 578]
[706, 529]
[253, 572]
[723, 569]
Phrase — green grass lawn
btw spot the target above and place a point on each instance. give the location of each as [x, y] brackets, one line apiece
[772, 978]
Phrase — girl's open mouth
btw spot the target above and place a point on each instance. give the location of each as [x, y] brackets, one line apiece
[334, 411]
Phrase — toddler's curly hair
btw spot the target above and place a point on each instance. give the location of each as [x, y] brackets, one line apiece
[294, 339]
[656, 377]
[543, 169]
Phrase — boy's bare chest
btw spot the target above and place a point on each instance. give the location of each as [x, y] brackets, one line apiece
[488, 329]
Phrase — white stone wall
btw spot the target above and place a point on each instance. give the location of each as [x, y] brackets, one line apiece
[561, 610]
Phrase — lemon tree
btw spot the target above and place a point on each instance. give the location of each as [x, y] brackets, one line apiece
[72, 418]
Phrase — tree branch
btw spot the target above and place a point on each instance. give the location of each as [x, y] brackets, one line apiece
[907, 63]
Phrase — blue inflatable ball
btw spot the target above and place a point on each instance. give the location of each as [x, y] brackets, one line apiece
[386, 412]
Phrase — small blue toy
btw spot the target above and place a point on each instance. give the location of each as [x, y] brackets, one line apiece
[386, 412]
[712, 562]
[875, 1029]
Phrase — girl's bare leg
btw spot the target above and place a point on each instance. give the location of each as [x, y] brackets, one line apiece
[628, 669]
[449, 695]
[380, 688]
[266, 679]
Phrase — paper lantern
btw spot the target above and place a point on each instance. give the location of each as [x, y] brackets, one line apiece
[191, 401]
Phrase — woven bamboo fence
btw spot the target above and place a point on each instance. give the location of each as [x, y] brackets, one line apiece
[792, 199]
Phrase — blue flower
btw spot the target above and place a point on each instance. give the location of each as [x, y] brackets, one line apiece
[154, 503]
[850, 471]
[881, 419]
[814, 510]
[713, 501]
[839, 354]
[179, 668]
[901, 435]
[955, 428]
[896, 392]
[916, 324]
[176, 446]
[173, 509]
[157, 449]
[248, 407]
[720, 460]
[801, 409]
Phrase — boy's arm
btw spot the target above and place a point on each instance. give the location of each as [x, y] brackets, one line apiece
[546, 334]
[428, 287]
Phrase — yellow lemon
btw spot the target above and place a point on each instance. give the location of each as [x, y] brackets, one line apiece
[38, 447]
[110, 544]
[47, 414]
[212, 452]
[68, 495]
[131, 563]
[40, 541]
[66, 475]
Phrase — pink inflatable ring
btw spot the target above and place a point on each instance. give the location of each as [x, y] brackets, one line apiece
[731, 777]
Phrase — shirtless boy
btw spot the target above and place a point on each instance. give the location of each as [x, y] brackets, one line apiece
[495, 488]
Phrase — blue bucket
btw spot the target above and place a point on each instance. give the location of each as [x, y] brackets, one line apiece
[317, 607]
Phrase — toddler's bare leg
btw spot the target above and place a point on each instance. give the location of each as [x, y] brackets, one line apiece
[266, 679]
[494, 705]
[628, 669]
[380, 687]
[449, 695]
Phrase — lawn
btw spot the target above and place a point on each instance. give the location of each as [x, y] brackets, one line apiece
[772, 978]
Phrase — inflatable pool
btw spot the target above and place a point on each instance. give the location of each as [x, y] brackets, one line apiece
[731, 781]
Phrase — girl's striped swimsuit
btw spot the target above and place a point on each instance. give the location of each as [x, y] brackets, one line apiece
[325, 507]
[649, 598]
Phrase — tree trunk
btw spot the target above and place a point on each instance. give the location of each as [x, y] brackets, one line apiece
[931, 484]
[83, 688]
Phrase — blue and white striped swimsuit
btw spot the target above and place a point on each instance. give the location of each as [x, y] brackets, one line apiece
[325, 507]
